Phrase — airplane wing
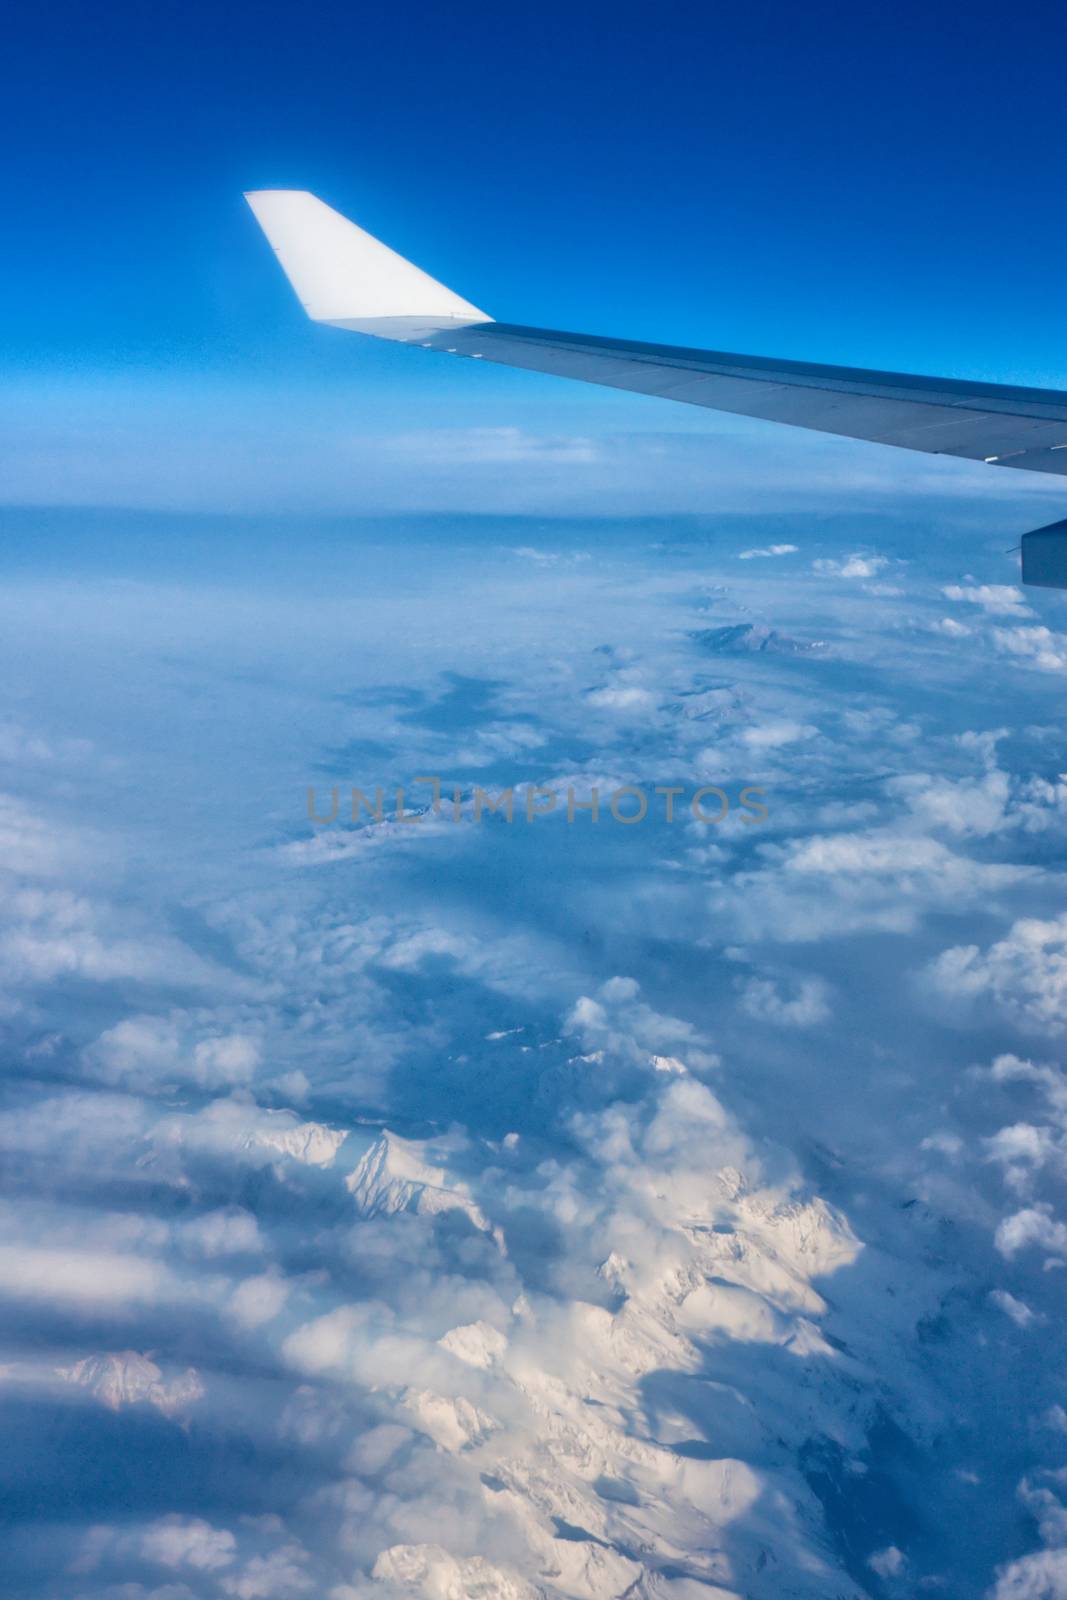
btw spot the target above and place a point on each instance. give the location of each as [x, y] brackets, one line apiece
[348, 279]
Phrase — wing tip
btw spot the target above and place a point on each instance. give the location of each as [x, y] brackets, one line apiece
[342, 274]
[254, 194]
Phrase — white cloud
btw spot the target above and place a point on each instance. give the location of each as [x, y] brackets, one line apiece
[280, 1575]
[1022, 1148]
[1050, 1080]
[1019, 1312]
[999, 599]
[1023, 974]
[835, 883]
[624, 697]
[325, 1344]
[258, 1300]
[888, 1563]
[147, 1051]
[232, 1232]
[218, 1063]
[964, 806]
[803, 1007]
[995, 802]
[1034, 1225]
[88, 1278]
[176, 1541]
[550, 558]
[1038, 647]
[770, 550]
[772, 735]
[946, 1144]
[33, 846]
[619, 1022]
[137, 1047]
[90, 1128]
[1041, 1576]
[504, 446]
[21, 746]
[853, 566]
[53, 933]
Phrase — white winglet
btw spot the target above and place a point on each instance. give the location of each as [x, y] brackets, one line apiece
[344, 276]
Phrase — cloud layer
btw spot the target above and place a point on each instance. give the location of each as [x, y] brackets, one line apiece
[544, 1208]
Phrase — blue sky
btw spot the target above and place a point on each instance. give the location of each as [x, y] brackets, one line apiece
[873, 187]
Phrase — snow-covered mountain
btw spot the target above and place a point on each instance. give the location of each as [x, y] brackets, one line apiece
[128, 1378]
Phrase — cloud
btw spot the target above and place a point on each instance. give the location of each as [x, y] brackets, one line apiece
[258, 1300]
[1038, 647]
[1024, 974]
[1042, 1576]
[93, 1129]
[1050, 1080]
[177, 1541]
[280, 1575]
[497, 1230]
[619, 1022]
[254, 1561]
[1034, 1225]
[1034, 646]
[963, 807]
[53, 933]
[154, 1051]
[773, 735]
[886, 878]
[502, 446]
[139, 1049]
[1021, 1149]
[853, 566]
[998, 801]
[888, 1563]
[771, 550]
[999, 599]
[804, 1007]
[31, 844]
[85, 1278]
[550, 558]
[358, 1342]
[627, 698]
[1019, 1312]
[222, 1062]
[232, 1232]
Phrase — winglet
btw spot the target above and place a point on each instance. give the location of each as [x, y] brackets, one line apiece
[345, 277]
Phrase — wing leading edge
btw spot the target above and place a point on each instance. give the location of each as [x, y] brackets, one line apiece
[348, 279]
[982, 422]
